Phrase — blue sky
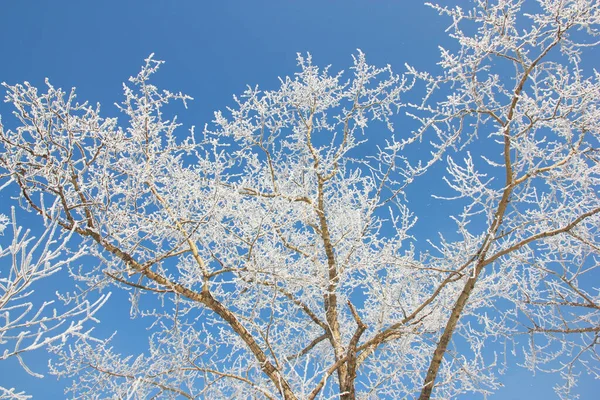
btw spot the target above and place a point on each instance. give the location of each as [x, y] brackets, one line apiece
[213, 49]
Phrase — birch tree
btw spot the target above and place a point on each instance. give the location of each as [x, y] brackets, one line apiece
[275, 249]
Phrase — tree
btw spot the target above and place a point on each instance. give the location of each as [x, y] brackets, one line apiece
[275, 253]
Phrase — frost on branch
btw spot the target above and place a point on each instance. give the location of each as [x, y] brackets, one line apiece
[279, 246]
[27, 322]
[11, 394]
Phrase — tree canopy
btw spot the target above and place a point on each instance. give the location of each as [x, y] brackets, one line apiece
[274, 249]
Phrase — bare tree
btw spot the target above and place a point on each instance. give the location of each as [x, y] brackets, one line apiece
[279, 242]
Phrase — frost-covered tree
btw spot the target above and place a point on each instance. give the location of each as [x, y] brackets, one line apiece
[275, 253]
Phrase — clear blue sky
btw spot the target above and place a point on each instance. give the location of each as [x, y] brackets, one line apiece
[212, 49]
